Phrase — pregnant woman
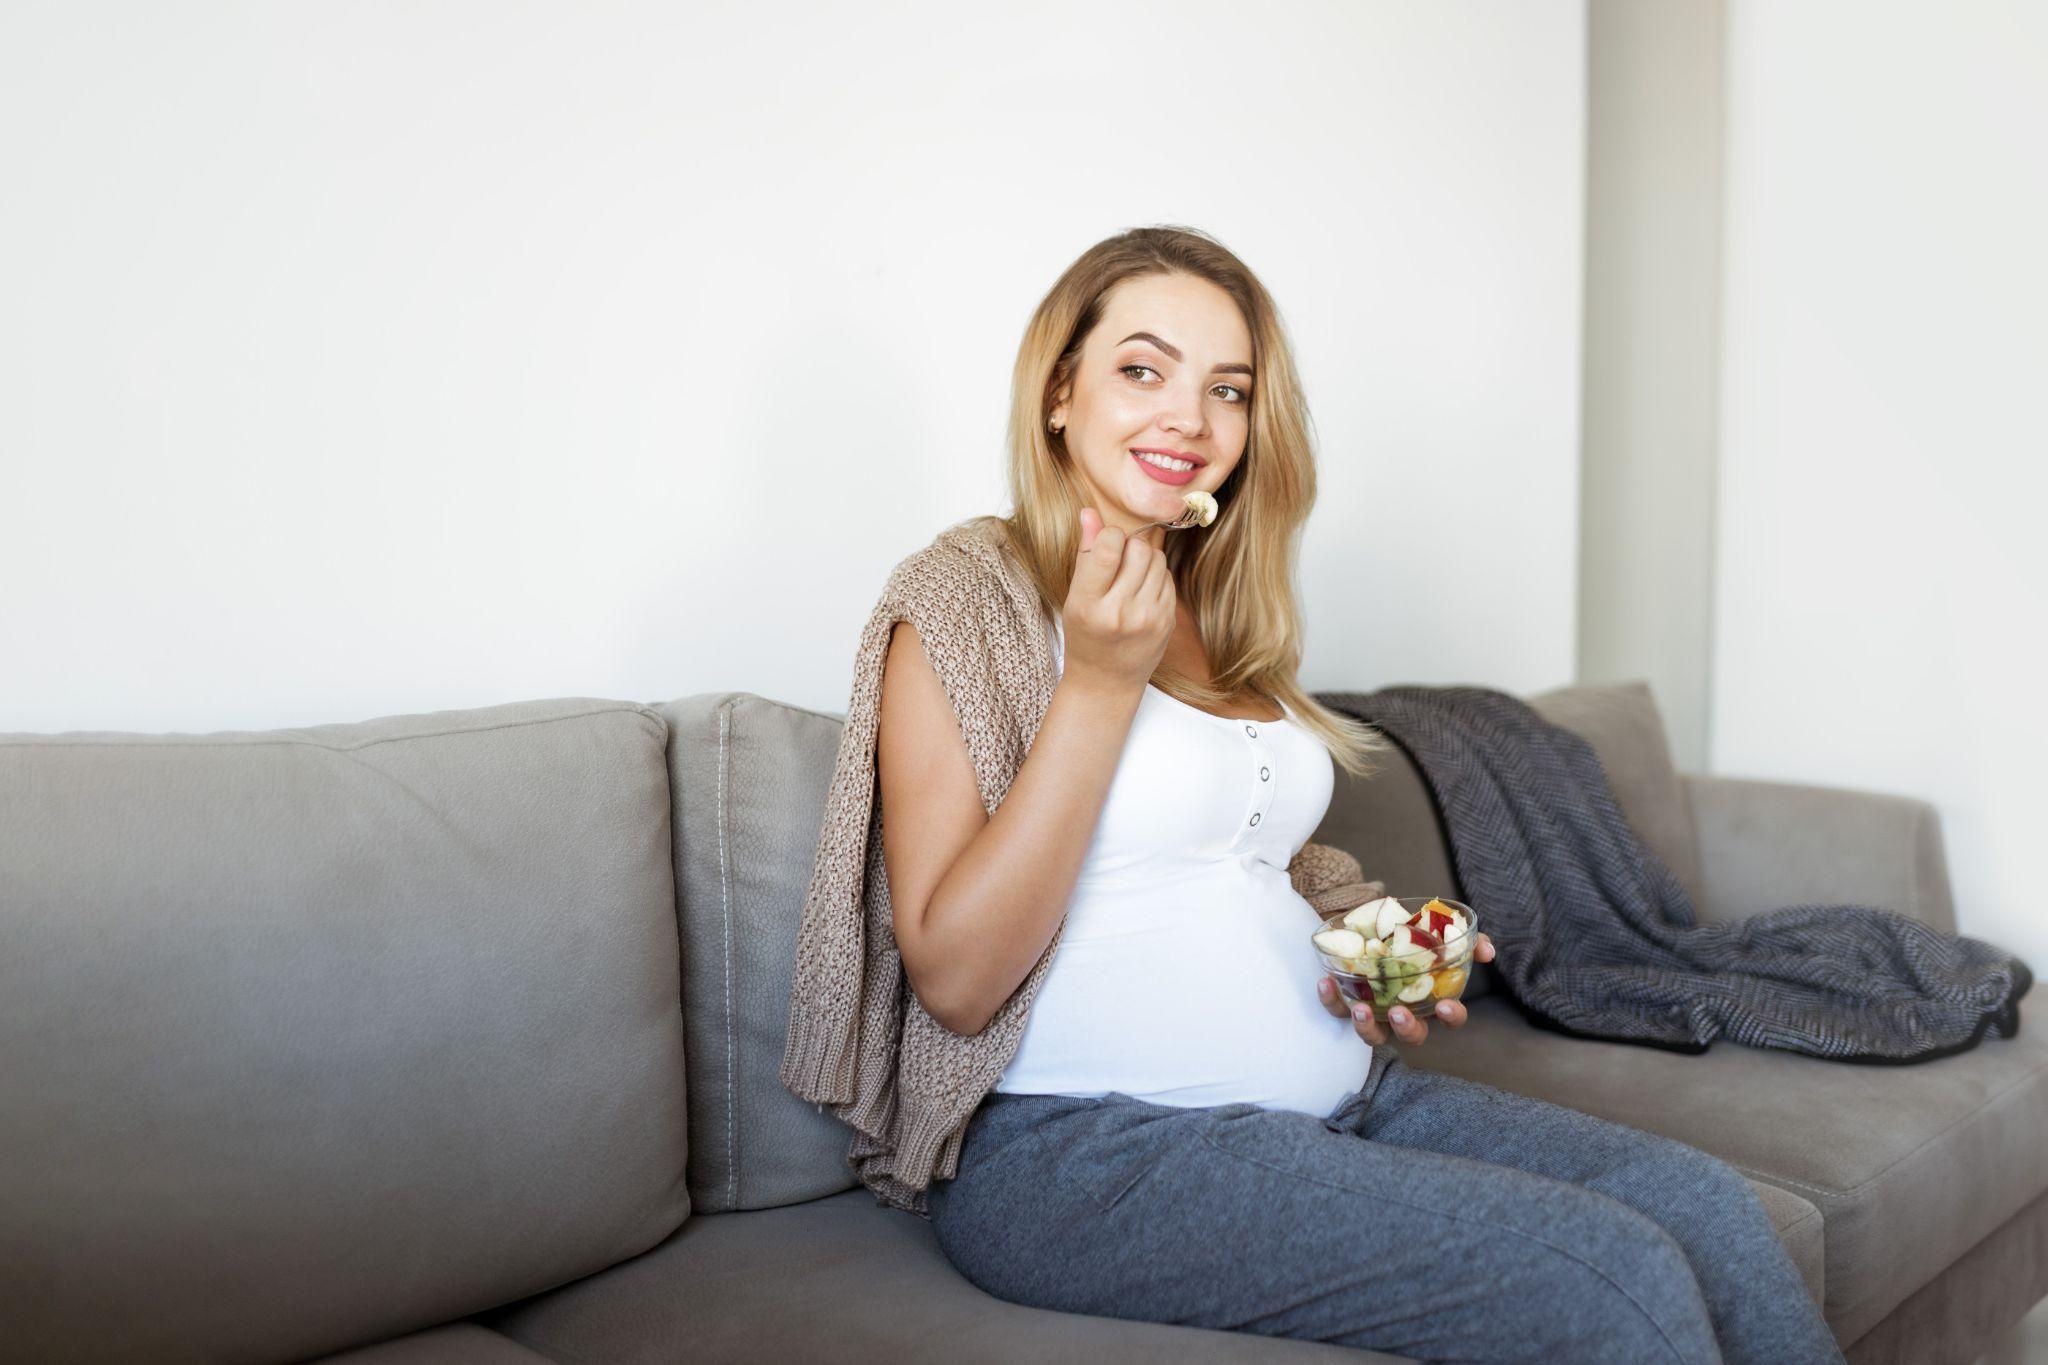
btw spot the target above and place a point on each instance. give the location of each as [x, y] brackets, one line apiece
[1192, 1127]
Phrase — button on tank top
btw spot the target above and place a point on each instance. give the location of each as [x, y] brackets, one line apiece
[1184, 975]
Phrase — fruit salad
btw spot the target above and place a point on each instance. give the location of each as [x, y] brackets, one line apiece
[1409, 950]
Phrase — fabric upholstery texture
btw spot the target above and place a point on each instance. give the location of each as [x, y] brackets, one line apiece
[749, 777]
[316, 1036]
[1766, 844]
[1970, 1308]
[844, 1278]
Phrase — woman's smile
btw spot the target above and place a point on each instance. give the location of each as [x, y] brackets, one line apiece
[1156, 466]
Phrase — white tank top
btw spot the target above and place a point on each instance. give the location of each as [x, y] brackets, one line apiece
[1184, 975]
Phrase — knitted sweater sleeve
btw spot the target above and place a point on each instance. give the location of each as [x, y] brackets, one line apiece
[1330, 879]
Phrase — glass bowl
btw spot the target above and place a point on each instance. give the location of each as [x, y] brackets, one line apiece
[1416, 975]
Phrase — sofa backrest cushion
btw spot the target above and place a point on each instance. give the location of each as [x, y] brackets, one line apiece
[749, 777]
[317, 1036]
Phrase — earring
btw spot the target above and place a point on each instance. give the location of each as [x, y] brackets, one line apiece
[1052, 426]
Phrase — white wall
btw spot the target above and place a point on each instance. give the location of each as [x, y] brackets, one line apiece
[375, 358]
[1883, 575]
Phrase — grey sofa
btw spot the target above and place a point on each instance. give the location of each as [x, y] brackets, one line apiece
[453, 1037]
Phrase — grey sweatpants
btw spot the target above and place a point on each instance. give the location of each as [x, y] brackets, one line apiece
[1427, 1216]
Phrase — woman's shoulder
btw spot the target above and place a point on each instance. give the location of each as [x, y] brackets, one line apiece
[961, 559]
[969, 596]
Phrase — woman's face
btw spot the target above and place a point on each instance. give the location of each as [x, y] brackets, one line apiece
[1167, 370]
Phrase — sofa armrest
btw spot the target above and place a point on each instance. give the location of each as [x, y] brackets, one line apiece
[1769, 844]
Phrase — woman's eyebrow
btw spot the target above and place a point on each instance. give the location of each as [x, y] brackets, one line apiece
[1174, 351]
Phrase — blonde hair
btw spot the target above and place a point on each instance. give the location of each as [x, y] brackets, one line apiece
[1237, 575]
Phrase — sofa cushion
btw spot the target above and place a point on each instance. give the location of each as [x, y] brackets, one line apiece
[842, 1278]
[1909, 1165]
[749, 778]
[318, 1036]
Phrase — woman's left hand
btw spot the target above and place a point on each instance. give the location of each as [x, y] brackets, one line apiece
[1407, 1028]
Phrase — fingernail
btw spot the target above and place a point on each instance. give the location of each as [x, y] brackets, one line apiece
[1360, 1013]
[1443, 1007]
[1399, 1016]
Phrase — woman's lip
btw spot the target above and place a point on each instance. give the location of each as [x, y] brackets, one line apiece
[1175, 477]
[1186, 456]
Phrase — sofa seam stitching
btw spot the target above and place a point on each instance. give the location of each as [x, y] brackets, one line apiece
[732, 1150]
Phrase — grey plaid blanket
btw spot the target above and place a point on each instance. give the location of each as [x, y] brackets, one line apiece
[1596, 938]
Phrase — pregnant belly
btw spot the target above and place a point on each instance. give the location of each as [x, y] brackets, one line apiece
[1207, 997]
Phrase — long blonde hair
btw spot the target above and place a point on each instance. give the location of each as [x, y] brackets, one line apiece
[1237, 575]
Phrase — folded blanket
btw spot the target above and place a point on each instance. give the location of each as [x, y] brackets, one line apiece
[1597, 939]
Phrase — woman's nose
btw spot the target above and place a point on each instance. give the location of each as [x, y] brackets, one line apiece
[1181, 422]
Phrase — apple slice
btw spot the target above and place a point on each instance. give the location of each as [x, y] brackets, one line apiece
[1341, 942]
[1389, 914]
[1366, 918]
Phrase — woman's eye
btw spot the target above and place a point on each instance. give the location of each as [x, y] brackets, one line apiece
[1149, 370]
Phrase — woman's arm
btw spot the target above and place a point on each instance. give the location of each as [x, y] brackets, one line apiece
[975, 899]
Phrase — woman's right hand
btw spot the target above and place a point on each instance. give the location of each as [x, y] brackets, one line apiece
[1121, 606]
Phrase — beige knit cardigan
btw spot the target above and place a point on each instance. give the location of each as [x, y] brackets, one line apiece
[859, 1039]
